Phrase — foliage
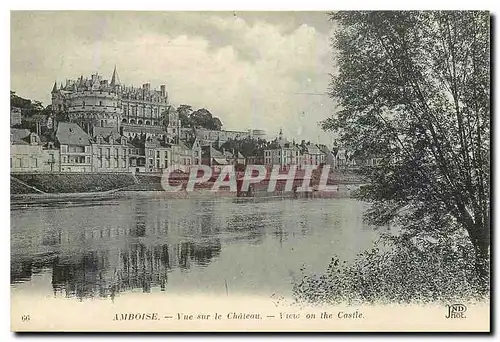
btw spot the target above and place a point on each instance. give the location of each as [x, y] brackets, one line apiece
[246, 146]
[203, 118]
[413, 89]
[28, 107]
[402, 269]
[198, 118]
[184, 111]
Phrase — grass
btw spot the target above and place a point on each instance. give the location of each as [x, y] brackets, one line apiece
[71, 182]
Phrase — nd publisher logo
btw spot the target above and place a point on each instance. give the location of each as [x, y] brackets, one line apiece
[456, 311]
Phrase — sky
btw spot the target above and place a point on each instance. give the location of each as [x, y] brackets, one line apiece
[262, 70]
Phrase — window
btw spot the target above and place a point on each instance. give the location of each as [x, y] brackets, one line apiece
[100, 103]
[64, 148]
[83, 104]
[99, 152]
[88, 160]
[100, 162]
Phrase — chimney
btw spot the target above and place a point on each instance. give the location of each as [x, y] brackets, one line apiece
[163, 90]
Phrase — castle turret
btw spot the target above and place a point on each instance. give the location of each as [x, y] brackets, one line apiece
[54, 89]
[115, 79]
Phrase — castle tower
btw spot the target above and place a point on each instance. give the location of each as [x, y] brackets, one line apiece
[57, 99]
[115, 79]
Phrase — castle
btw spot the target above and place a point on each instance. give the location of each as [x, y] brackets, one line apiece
[131, 111]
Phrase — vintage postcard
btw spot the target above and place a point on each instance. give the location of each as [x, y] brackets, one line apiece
[250, 171]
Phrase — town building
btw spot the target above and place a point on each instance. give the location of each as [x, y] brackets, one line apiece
[254, 160]
[343, 158]
[281, 152]
[28, 153]
[329, 157]
[75, 148]
[185, 155]
[110, 151]
[212, 157]
[311, 154]
[194, 145]
[158, 153]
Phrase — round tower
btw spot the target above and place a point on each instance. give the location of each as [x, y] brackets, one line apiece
[94, 103]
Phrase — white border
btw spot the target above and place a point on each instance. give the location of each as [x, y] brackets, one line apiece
[182, 5]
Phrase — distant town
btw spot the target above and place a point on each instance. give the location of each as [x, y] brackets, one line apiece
[94, 125]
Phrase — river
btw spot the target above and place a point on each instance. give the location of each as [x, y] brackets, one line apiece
[143, 244]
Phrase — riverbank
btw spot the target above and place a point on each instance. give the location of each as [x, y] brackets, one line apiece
[69, 183]
[201, 193]
[29, 187]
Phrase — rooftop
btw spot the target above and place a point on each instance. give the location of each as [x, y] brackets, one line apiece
[69, 133]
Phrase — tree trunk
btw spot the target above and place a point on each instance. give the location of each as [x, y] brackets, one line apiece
[482, 264]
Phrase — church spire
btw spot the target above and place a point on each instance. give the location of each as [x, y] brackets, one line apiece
[54, 89]
[115, 79]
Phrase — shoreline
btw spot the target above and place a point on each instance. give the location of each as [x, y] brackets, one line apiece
[197, 193]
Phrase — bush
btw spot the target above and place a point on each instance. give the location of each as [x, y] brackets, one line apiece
[398, 269]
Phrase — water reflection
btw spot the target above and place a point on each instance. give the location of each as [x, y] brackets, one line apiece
[142, 243]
